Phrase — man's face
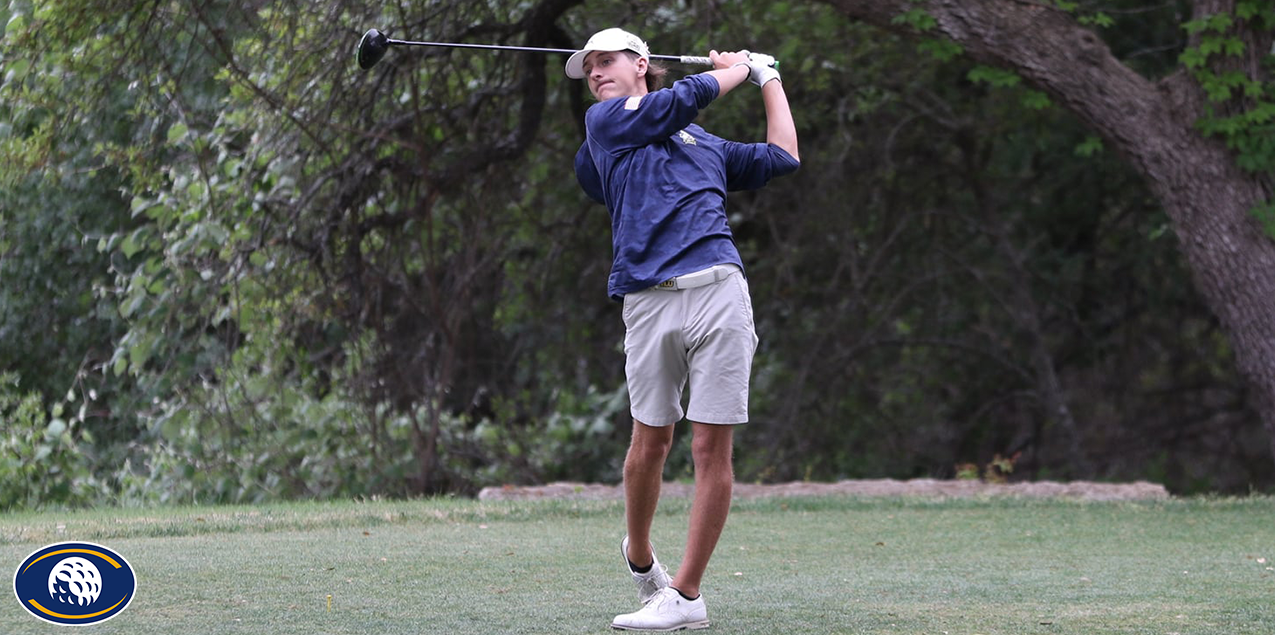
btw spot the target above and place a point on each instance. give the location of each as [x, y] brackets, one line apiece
[615, 74]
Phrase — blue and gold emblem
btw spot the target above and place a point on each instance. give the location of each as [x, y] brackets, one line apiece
[74, 583]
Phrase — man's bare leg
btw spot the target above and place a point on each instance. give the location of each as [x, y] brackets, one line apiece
[643, 475]
[714, 477]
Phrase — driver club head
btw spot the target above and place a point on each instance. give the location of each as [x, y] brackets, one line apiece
[372, 48]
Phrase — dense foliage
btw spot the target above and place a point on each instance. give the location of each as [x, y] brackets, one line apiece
[238, 268]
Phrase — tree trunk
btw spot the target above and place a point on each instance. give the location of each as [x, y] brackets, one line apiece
[1205, 194]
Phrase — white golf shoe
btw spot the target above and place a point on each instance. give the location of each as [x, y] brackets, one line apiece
[667, 611]
[648, 583]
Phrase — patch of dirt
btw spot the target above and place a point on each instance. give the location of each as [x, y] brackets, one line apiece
[1082, 490]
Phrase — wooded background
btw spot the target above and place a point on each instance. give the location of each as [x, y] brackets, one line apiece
[1029, 239]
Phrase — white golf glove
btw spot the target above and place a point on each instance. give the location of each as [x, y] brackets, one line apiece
[761, 68]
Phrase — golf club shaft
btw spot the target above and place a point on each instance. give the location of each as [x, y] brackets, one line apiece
[683, 59]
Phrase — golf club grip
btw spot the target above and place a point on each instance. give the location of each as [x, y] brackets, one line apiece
[695, 60]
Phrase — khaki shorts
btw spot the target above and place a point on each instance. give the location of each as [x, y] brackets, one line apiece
[703, 334]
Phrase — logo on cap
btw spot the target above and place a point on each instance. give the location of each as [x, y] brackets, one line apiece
[635, 44]
[74, 583]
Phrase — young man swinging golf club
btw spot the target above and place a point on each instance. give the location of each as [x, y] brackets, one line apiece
[687, 312]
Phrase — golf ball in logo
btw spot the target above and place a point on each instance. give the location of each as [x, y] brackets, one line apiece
[75, 581]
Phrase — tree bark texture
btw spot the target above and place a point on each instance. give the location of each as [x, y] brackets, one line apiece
[1151, 123]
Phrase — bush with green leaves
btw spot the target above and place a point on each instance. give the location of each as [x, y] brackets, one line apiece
[43, 461]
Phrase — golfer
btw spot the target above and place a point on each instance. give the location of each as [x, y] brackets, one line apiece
[687, 312]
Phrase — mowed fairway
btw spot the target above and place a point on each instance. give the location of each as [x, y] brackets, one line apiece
[796, 565]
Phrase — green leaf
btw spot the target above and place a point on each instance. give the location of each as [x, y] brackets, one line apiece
[132, 304]
[177, 132]
[1195, 26]
[1265, 214]
[1220, 22]
[943, 50]
[919, 19]
[1036, 100]
[1234, 78]
[1193, 58]
[17, 69]
[55, 429]
[1217, 89]
[134, 242]
[16, 24]
[996, 77]
[1100, 20]
[1092, 145]
[141, 351]
[1261, 113]
[1210, 46]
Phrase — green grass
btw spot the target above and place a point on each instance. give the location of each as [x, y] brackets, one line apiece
[801, 565]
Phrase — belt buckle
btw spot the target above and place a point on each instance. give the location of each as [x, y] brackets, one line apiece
[671, 283]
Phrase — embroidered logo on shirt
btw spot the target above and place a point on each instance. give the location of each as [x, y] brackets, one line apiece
[686, 137]
[632, 102]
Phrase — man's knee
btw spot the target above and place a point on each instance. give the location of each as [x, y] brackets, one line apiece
[711, 446]
[650, 444]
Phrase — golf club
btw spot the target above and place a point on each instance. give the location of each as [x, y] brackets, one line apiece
[374, 45]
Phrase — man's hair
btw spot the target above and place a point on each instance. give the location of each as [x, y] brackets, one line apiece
[655, 76]
[654, 73]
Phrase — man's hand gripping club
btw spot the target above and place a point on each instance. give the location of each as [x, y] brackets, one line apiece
[762, 68]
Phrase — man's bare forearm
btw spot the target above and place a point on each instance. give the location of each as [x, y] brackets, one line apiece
[780, 129]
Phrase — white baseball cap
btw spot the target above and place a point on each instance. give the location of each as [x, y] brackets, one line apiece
[612, 39]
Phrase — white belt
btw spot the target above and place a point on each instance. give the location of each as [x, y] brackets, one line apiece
[700, 278]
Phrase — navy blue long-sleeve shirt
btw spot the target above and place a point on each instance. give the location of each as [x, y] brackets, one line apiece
[664, 181]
